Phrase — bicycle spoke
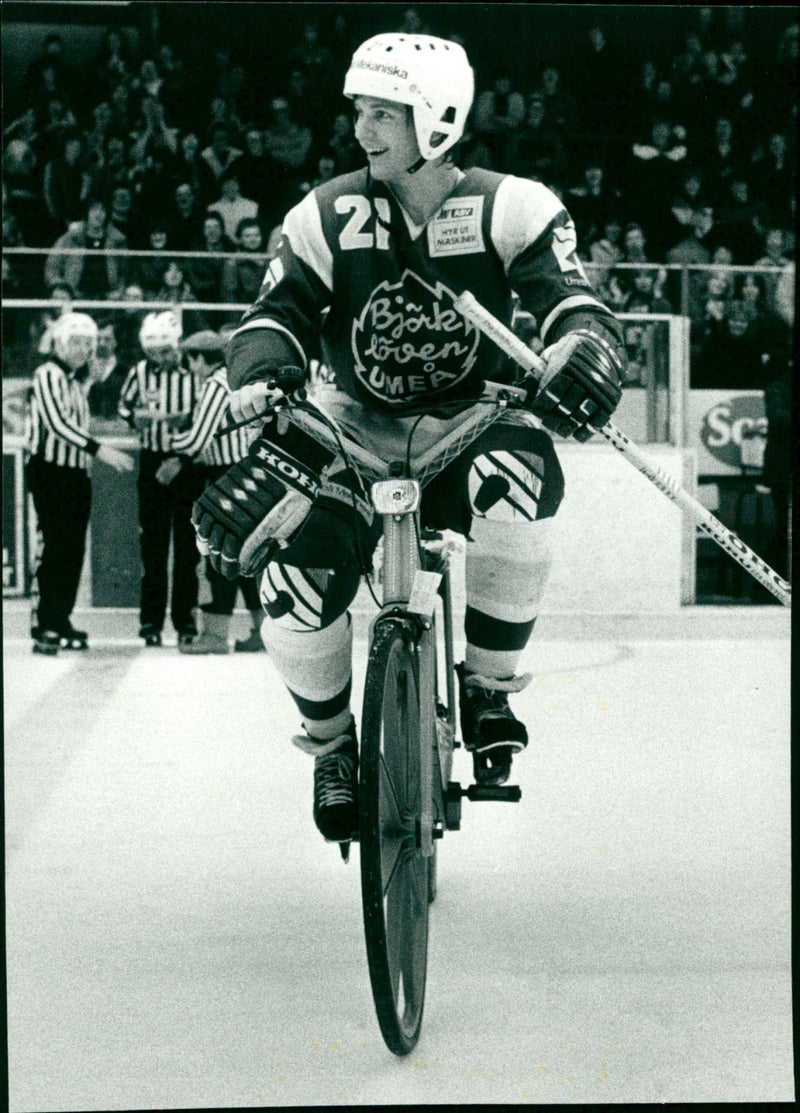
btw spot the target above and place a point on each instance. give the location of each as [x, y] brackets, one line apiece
[398, 755]
[393, 744]
[414, 941]
[419, 884]
[409, 751]
[390, 803]
[394, 919]
[391, 857]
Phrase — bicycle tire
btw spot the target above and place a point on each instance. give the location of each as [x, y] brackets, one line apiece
[394, 873]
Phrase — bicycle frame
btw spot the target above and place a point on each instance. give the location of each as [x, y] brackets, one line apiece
[401, 568]
[405, 804]
[392, 482]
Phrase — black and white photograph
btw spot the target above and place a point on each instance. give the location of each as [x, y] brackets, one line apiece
[433, 365]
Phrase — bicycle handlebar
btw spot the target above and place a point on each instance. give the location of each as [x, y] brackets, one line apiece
[480, 413]
[486, 409]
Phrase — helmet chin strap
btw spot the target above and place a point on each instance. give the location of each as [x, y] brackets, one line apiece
[416, 166]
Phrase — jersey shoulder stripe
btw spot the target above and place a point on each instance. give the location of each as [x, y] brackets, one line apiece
[308, 227]
[523, 211]
[302, 228]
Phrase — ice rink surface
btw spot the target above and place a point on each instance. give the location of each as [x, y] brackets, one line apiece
[179, 935]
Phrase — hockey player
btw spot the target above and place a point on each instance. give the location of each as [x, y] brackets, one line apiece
[368, 267]
[58, 472]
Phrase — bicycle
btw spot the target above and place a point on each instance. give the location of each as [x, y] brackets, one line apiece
[407, 799]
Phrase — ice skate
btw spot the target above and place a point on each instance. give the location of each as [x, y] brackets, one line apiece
[45, 641]
[187, 634]
[150, 634]
[70, 638]
[490, 730]
[335, 783]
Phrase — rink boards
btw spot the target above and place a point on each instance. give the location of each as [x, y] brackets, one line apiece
[622, 547]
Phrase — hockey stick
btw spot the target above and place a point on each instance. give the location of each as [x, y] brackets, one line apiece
[505, 339]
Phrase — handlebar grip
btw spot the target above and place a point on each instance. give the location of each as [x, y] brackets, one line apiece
[505, 390]
[289, 378]
[290, 381]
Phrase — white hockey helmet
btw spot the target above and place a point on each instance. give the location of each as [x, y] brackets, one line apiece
[70, 326]
[159, 331]
[431, 75]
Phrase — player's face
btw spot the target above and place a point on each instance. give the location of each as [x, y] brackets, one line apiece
[106, 342]
[163, 355]
[80, 349]
[251, 239]
[385, 131]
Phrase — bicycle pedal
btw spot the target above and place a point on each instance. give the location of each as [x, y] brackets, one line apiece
[509, 793]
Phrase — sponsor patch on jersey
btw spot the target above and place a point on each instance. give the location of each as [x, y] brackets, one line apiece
[410, 341]
[456, 228]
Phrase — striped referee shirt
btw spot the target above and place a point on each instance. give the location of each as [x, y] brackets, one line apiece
[200, 441]
[59, 417]
[169, 390]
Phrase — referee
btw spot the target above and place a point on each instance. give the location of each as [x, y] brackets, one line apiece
[205, 354]
[58, 472]
[159, 396]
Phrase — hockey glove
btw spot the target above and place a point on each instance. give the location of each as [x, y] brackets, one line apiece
[262, 499]
[580, 386]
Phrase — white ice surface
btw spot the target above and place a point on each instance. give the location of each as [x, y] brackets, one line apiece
[179, 936]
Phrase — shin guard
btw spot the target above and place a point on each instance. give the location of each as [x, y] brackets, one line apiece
[316, 667]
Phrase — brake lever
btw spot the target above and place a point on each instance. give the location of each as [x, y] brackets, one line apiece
[291, 382]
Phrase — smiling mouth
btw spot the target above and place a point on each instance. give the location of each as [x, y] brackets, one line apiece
[377, 154]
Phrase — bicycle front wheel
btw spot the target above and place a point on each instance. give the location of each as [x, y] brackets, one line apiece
[394, 873]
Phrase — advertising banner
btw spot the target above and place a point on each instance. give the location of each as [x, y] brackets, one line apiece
[728, 430]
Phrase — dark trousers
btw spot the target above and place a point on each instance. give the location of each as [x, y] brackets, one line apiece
[223, 591]
[62, 498]
[166, 511]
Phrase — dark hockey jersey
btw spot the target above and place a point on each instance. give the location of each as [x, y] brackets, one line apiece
[357, 285]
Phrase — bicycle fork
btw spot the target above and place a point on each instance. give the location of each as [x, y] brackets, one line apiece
[409, 594]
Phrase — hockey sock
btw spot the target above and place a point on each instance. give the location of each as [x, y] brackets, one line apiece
[507, 565]
[316, 667]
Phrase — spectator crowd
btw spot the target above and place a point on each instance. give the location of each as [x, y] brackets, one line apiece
[684, 160]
